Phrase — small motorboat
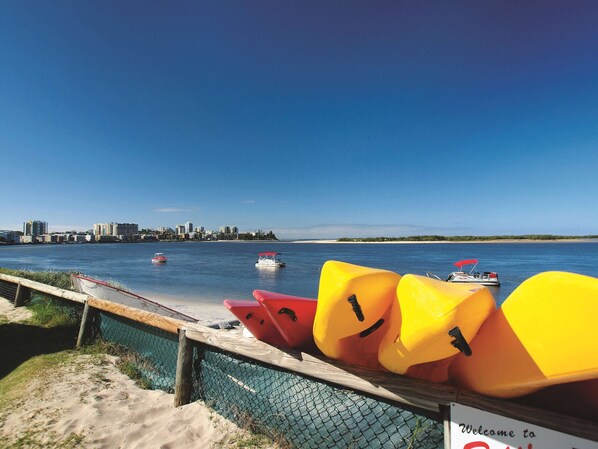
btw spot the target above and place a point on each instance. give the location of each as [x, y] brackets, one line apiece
[269, 259]
[159, 258]
[489, 278]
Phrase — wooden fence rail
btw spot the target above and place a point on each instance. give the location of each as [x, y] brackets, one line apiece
[386, 386]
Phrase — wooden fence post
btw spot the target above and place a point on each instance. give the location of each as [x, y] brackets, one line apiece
[184, 371]
[83, 326]
[21, 294]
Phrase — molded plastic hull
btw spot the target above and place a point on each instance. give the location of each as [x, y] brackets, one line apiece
[545, 333]
[293, 316]
[352, 312]
[425, 311]
[256, 319]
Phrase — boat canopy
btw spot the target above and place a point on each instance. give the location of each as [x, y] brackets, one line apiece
[268, 254]
[465, 262]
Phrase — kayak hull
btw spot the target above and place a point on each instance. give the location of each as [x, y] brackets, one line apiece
[352, 312]
[431, 321]
[293, 316]
[544, 334]
[256, 320]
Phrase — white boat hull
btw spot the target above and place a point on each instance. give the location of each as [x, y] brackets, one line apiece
[269, 265]
[464, 278]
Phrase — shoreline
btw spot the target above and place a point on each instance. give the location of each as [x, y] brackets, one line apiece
[447, 242]
[203, 310]
[328, 241]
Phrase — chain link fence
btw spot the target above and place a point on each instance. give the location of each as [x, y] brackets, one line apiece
[155, 349]
[306, 413]
[8, 290]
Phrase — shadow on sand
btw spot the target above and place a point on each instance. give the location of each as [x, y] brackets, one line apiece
[19, 342]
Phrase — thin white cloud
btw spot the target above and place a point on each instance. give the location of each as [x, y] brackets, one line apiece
[249, 202]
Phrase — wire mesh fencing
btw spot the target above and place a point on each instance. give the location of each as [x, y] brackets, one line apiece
[155, 349]
[8, 290]
[306, 413]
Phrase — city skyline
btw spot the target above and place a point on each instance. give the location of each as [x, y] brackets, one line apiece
[312, 120]
[187, 226]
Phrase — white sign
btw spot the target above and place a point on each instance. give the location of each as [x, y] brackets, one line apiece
[476, 429]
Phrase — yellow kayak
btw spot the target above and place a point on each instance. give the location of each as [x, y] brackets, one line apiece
[545, 333]
[431, 322]
[352, 311]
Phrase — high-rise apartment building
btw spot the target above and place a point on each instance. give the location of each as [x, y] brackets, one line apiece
[120, 230]
[100, 229]
[35, 228]
[125, 229]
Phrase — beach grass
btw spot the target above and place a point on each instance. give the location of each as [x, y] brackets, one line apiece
[48, 311]
[60, 279]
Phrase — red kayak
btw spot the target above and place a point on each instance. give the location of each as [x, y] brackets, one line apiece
[257, 320]
[281, 320]
[293, 316]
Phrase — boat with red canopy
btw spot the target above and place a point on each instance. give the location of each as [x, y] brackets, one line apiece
[472, 276]
[269, 259]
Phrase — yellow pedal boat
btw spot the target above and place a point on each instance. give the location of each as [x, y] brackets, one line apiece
[545, 333]
[352, 312]
[430, 322]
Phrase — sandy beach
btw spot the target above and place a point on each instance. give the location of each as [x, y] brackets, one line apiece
[89, 403]
[205, 312]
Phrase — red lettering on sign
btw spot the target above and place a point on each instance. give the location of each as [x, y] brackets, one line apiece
[476, 444]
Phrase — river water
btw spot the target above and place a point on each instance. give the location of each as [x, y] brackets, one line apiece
[209, 272]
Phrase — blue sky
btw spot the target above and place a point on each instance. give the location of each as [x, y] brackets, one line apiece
[313, 119]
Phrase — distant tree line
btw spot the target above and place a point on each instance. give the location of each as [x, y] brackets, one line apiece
[465, 238]
[259, 235]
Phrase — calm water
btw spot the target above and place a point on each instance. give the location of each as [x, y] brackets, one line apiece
[211, 272]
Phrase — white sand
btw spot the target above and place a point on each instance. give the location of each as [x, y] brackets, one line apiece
[90, 399]
[13, 314]
[205, 312]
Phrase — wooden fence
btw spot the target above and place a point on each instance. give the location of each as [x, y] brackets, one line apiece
[389, 387]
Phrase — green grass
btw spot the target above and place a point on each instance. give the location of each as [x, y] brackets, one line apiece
[52, 312]
[49, 311]
[60, 279]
